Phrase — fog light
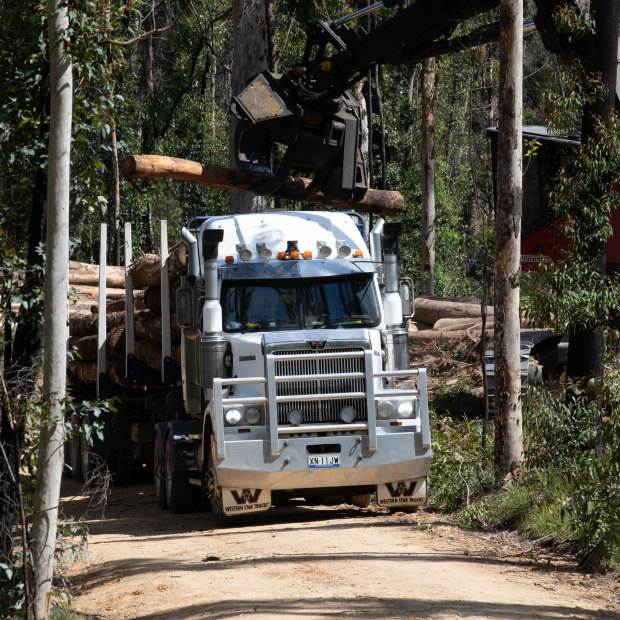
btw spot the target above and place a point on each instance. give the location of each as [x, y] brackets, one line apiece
[252, 415]
[344, 251]
[347, 414]
[385, 409]
[233, 417]
[405, 409]
[295, 417]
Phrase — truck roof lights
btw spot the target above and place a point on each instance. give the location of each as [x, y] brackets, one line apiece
[264, 252]
[324, 249]
[295, 254]
[307, 254]
[343, 249]
[358, 253]
[243, 252]
[282, 255]
[230, 259]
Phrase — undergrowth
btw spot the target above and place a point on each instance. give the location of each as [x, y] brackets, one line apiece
[568, 489]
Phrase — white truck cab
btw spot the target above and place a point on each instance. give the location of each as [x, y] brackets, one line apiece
[295, 360]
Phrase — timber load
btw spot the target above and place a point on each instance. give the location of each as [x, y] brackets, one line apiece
[84, 306]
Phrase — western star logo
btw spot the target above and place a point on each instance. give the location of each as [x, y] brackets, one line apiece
[316, 344]
[401, 489]
[246, 496]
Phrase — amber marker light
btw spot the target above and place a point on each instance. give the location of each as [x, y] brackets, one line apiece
[230, 259]
[282, 255]
[295, 255]
[358, 253]
[307, 254]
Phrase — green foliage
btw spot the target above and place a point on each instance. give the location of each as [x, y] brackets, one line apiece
[569, 293]
[569, 489]
[459, 470]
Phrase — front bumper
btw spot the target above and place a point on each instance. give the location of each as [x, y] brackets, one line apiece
[249, 463]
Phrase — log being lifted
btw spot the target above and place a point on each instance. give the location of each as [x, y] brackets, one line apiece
[379, 202]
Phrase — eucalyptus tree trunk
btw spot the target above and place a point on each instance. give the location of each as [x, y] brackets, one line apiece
[51, 441]
[586, 350]
[429, 111]
[250, 56]
[509, 432]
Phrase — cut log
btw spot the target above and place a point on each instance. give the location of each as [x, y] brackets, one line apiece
[431, 310]
[152, 299]
[146, 271]
[149, 353]
[84, 325]
[85, 371]
[85, 273]
[92, 292]
[148, 326]
[118, 305]
[430, 335]
[458, 325]
[380, 202]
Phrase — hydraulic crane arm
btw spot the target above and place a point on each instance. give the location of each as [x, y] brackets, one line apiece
[308, 111]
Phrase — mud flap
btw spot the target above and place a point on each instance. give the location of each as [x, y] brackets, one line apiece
[241, 501]
[402, 493]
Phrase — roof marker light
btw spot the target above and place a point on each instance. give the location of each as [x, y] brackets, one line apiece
[307, 254]
[230, 259]
[282, 255]
[295, 254]
[358, 253]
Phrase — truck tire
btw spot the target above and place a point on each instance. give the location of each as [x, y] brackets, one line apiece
[93, 459]
[215, 492]
[159, 472]
[178, 487]
[75, 450]
[361, 501]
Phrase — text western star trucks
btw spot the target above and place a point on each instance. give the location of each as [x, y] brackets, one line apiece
[294, 340]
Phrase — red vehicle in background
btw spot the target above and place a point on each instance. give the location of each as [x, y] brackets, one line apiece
[540, 238]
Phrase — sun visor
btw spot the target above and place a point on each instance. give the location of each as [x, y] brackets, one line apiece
[295, 269]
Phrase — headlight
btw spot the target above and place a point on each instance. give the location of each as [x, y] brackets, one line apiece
[233, 417]
[385, 410]
[405, 409]
[252, 415]
[295, 417]
[347, 414]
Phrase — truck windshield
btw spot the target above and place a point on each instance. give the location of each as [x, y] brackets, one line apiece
[274, 305]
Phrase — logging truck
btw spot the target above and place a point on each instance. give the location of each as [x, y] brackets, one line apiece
[293, 375]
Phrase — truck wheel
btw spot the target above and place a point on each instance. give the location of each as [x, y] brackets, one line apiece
[75, 450]
[92, 459]
[159, 473]
[178, 487]
[215, 493]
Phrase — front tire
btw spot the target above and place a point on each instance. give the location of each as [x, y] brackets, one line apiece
[159, 474]
[215, 492]
[75, 450]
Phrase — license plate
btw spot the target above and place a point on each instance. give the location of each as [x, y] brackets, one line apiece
[316, 461]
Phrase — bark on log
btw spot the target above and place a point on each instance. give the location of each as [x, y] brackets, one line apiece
[92, 292]
[457, 325]
[85, 273]
[430, 335]
[146, 271]
[118, 305]
[152, 299]
[84, 325]
[86, 347]
[149, 353]
[148, 326]
[431, 310]
[380, 202]
[85, 371]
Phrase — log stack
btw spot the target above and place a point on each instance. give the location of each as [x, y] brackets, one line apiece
[84, 309]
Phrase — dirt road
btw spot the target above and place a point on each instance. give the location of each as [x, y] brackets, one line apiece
[318, 562]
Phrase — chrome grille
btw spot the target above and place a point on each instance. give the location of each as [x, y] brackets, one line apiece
[320, 411]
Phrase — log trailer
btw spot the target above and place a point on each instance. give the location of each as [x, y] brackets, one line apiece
[294, 377]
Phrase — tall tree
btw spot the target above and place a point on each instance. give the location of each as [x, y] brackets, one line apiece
[429, 111]
[509, 435]
[51, 441]
[251, 56]
[599, 55]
